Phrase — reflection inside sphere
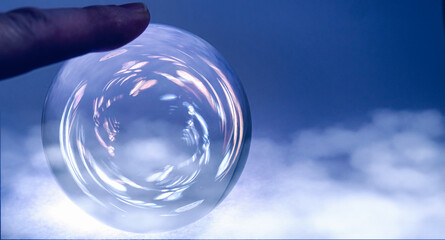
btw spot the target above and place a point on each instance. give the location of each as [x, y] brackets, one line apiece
[151, 136]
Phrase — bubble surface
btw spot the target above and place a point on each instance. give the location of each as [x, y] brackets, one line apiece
[149, 137]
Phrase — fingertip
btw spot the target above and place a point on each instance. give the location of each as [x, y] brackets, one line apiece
[115, 26]
[31, 37]
[138, 7]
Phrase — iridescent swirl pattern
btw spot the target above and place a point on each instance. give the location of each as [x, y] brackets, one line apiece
[148, 137]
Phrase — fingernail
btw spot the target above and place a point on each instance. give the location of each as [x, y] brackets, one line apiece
[136, 7]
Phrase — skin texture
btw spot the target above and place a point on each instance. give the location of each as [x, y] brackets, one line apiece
[32, 38]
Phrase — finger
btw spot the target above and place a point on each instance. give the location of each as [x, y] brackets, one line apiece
[31, 38]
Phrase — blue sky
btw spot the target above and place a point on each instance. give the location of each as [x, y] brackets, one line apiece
[348, 120]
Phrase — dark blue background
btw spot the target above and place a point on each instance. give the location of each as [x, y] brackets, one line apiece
[303, 63]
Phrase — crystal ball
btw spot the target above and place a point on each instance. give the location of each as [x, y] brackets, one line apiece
[149, 137]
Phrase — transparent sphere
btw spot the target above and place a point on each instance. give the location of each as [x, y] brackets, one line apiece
[149, 137]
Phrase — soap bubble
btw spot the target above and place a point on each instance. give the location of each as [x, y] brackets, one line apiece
[149, 137]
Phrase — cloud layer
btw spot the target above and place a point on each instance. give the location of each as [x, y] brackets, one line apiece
[382, 179]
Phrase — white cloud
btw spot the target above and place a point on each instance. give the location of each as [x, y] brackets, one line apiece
[383, 179]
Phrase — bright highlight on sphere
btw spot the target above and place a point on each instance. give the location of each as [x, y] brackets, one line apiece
[149, 137]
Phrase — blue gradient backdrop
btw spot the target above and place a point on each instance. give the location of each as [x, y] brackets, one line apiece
[304, 65]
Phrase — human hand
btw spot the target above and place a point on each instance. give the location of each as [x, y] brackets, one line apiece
[32, 38]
